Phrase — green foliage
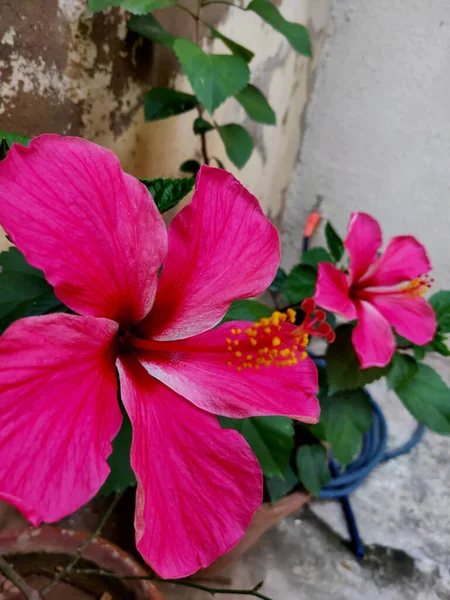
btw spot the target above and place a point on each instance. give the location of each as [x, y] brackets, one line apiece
[314, 256]
[427, 397]
[121, 475]
[270, 438]
[297, 35]
[213, 77]
[151, 29]
[190, 166]
[441, 304]
[201, 125]
[278, 283]
[246, 310]
[256, 106]
[439, 344]
[401, 370]
[312, 467]
[238, 143]
[343, 368]
[8, 139]
[168, 192]
[235, 48]
[300, 284]
[334, 242]
[344, 418]
[23, 290]
[137, 7]
[161, 103]
[278, 487]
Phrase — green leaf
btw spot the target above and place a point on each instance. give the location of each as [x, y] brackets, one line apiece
[238, 143]
[419, 352]
[343, 369]
[300, 284]
[441, 304]
[121, 475]
[314, 256]
[270, 438]
[213, 77]
[151, 29]
[246, 310]
[439, 345]
[235, 48]
[201, 125]
[427, 398]
[402, 368]
[313, 468]
[297, 35]
[190, 166]
[278, 487]
[23, 290]
[278, 283]
[8, 139]
[345, 417]
[334, 242]
[256, 106]
[168, 192]
[137, 7]
[161, 103]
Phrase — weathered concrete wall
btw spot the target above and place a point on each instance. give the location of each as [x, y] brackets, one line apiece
[378, 134]
[67, 71]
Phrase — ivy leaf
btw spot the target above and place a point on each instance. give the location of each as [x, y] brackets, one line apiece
[278, 283]
[314, 256]
[345, 417]
[270, 438]
[278, 487]
[256, 106]
[297, 35]
[313, 468]
[246, 310]
[401, 370]
[23, 290]
[201, 125]
[300, 284]
[334, 242]
[168, 192]
[161, 103]
[7, 139]
[343, 369]
[213, 77]
[238, 143]
[427, 397]
[190, 166]
[121, 475]
[151, 29]
[441, 305]
[235, 48]
[137, 7]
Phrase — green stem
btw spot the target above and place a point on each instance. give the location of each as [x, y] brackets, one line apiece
[27, 591]
[253, 592]
[82, 548]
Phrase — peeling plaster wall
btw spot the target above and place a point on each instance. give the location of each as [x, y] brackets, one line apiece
[67, 71]
[378, 126]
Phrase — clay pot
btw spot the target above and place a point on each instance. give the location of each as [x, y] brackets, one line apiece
[36, 553]
[268, 515]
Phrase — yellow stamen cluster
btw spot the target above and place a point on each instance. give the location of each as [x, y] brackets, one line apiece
[417, 287]
[264, 344]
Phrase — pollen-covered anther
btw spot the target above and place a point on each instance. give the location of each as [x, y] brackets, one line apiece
[419, 286]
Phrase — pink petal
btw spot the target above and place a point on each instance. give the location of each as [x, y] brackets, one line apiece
[412, 317]
[221, 247]
[332, 291]
[198, 485]
[404, 259]
[58, 412]
[197, 369]
[93, 230]
[362, 243]
[372, 337]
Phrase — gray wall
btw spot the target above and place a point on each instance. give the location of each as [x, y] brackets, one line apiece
[378, 127]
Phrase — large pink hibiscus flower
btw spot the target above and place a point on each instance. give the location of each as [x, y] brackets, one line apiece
[380, 291]
[98, 237]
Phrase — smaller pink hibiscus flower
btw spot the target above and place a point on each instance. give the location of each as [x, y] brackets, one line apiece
[379, 291]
